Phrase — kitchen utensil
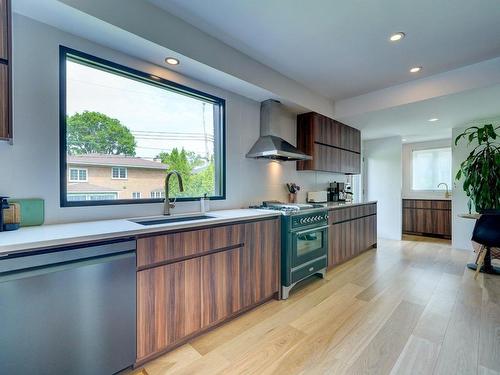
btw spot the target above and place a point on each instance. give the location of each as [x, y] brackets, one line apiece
[12, 215]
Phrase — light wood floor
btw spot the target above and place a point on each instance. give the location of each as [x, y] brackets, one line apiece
[409, 307]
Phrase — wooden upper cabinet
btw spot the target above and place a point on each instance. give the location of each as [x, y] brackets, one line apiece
[5, 85]
[4, 30]
[350, 138]
[335, 147]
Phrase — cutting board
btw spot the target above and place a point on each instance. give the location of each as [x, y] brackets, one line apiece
[32, 211]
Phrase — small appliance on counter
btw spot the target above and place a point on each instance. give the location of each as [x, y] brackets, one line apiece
[336, 192]
[304, 241]
[317, 196]
[348, 194]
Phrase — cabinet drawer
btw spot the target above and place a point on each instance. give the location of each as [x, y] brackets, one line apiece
[338, 215]
[176, 246]
[441, 205]
[307, 269]
[370, 209]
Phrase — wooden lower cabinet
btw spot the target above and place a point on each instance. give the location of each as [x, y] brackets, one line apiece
[427, 217]
[179, 300]
[349, 238]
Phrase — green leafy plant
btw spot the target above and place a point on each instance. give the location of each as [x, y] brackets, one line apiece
[96, 133]
[481, 169]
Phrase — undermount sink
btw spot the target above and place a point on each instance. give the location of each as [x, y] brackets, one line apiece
[167, 220]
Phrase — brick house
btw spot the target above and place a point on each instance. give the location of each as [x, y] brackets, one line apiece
[103, 177]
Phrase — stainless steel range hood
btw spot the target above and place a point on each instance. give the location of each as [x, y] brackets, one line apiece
[269, 145]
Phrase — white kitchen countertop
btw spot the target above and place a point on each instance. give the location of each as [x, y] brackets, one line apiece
[33, 238]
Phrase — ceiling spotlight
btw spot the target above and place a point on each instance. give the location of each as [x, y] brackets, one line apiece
[397, 36]
[415, 69]
[404, 139]
[433, 119]
[172, 61]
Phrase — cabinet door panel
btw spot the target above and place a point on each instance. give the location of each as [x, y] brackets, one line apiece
[350, 162]
[221, 277]
[350, 138]
[326, 158]
[334, 245]
[409, 219]
[327, 131]
[4, 101]
[4, 31]
[261, 261]
[168, 305]
[441, 220]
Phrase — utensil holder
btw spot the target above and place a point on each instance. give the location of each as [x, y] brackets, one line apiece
[292, 197]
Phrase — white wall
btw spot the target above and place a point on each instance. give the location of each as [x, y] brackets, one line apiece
[383, 183]
[462, 228]
[408, 148]
[30, 168]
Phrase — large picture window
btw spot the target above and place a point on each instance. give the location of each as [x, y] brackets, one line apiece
[431, 167]
[127, 129]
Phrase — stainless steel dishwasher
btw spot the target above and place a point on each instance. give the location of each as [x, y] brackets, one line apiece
[70, 311]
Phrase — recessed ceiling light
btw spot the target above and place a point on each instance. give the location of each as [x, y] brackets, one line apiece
[433, 119]
[404, 139]
[172, 61]
[415, 69]
[397, 36]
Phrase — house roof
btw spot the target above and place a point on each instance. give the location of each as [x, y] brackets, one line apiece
[85, 187]
[115, 161]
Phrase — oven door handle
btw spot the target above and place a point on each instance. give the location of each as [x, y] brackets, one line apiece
[311, 230]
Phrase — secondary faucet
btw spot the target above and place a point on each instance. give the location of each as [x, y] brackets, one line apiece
[167, 205]
[447, 194]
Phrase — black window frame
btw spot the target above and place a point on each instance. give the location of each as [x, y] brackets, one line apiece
[106, 65]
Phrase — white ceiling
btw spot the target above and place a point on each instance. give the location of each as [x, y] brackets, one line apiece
[411, 120]
[340, 48]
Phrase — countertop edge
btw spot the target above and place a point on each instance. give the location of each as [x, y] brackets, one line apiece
[44, 244]
[331, 207]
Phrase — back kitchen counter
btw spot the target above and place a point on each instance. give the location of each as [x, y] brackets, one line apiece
[185, 278]
[56, 235]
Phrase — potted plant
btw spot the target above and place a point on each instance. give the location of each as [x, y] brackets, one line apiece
[481, 169]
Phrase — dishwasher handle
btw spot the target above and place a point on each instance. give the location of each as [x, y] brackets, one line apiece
[63, 266]
[29, 260]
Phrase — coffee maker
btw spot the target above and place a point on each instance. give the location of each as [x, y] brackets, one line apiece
[336, 192]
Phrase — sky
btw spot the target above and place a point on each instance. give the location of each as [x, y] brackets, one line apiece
[159, 119]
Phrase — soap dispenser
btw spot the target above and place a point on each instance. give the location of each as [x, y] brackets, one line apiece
[204, 203]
